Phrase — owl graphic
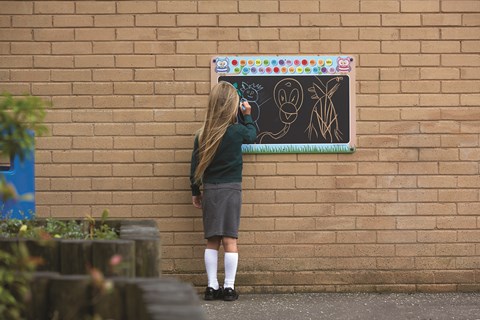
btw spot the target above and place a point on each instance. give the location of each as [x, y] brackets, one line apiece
[343, 64]
[221, 65]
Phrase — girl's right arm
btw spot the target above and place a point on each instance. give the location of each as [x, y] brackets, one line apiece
[250, 131]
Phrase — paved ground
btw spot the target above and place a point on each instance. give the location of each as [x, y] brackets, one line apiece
[358, 306]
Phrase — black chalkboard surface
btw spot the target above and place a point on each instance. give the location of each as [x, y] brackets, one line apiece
[306, 109]
[300, 104]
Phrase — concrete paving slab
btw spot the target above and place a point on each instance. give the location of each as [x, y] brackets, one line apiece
[356, 306]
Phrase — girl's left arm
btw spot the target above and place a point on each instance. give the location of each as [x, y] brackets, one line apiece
[193, 166]
[197, 201]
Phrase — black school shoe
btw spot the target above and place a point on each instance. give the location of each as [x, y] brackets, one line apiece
[230, 294]
[212, 294]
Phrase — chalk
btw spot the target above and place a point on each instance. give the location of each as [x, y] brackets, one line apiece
[241, 103]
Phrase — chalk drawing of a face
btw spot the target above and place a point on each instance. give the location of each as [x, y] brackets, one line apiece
[221, 65]
[289, 99]
[250, 91]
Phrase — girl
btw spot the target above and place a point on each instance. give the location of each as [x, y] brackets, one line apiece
[217, 164]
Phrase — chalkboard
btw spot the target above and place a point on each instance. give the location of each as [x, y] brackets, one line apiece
[295, 111]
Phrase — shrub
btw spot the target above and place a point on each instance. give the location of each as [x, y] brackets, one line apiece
[55, 228]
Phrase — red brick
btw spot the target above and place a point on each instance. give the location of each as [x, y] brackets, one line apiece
[198, 20]
[71, 48]
[253, 7]
[420, 6]
[155, 20]
[94, 61]
[56, 34]
[375, 250]
[133, 88]
[176, 6]
[30, 75]
[114, 20]
[61, 7]
[15, 88]
[112, 75]
[372, 33]
[108, 47]
[38, 21]
[135, 34]
[379, 6]
[396, 236]
[416, 223]
[396, 182]
[395, 209]
[316, 19]
[419, 250]
[137, 7]
[340, 6]
[72, 21]
[437, 236]
[356, 237]
[16, 7]
[336, 196]
[177, 33]
[315, 237]
[216, 6]
[136, 61]
[51, 89]
[313, 209]
[295, 224]
[95, 7]
[93, 88]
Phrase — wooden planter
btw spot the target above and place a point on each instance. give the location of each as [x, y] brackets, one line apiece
[138, 244]
[74, 297]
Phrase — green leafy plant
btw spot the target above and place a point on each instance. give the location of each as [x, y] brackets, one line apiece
[54, 228]
[15, 274]
[64, 229]
[104, 231]
[19, 118]
[9, 227]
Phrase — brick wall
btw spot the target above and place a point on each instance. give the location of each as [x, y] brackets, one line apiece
[129, 81]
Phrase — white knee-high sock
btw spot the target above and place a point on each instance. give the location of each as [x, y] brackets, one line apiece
[211, 261]
[231, 263]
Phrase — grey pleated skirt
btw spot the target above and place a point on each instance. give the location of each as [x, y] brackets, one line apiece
[221, 206]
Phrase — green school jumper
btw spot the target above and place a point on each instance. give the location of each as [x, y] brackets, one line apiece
[227, 163]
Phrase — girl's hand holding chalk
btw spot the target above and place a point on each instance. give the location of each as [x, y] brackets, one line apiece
[197, 201]
[245, 107]
[242, 100]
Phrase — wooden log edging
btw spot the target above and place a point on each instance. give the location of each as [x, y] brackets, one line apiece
[80, 249]
[69, 297]
[169, 299]
[74, 297]
[38, 304]
[146, 235]
[138, 244]
[103, 250]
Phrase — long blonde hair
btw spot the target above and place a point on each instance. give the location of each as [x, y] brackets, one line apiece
[222, 111]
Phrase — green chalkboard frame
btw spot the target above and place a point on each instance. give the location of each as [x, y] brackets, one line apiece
[293, 67]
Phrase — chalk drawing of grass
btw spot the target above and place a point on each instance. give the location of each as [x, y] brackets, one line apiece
[297, 148]
[324, 117]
